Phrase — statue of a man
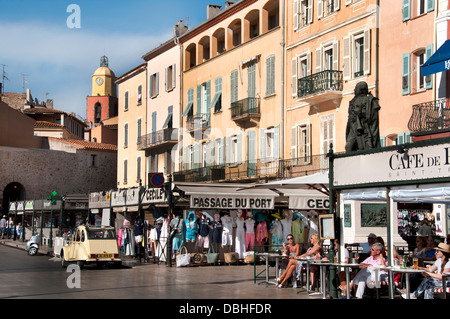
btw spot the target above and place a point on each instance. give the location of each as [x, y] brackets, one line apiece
[362, 130]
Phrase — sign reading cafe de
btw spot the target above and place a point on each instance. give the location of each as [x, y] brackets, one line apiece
[418, 163]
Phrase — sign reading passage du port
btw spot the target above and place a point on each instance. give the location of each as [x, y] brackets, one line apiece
[156, 179]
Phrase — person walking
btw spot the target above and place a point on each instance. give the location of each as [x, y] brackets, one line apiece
[3, 223]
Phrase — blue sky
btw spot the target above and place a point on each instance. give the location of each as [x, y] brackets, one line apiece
[35, 40]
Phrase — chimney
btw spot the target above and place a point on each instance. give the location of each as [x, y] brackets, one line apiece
[29, 98]
[212, 10]
[49, 103]
[229, 4]
[179, 28]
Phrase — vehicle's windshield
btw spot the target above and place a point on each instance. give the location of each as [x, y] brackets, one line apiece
[100, 233]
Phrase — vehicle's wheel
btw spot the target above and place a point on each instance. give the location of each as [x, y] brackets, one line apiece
[64, 263]
[80, 264]
[32, 251]
[118, 264]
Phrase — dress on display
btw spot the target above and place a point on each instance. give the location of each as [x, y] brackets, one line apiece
[227, 234]
[277, 234]
[240, 237]
[162, 253]
[178, 239]
[262, 235]
[249, 234]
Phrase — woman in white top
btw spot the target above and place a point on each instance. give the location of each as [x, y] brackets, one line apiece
[433, 274]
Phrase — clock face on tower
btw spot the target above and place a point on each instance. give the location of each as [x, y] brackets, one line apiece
[99, 81]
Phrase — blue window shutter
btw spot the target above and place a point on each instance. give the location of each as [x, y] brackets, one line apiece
[406, 10]
[383, 141]
[157, 84]
[430, 5]
[406, 74]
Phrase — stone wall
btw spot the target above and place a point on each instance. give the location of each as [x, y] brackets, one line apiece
[42, 171]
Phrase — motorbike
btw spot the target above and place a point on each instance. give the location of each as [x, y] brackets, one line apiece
[33, 245]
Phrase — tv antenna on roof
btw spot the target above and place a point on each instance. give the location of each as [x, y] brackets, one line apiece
[4, 77]
[23, 81]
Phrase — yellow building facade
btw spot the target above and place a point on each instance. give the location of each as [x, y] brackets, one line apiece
[232, 94]
[132, 95]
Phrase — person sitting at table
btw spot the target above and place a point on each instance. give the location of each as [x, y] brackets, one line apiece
[294, 265]
[430, 252]
[341, 274]
[367, 270]
[432, 274]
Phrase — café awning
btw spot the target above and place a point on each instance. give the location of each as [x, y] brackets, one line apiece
[227, 196]
[306, 199]
[439, 61]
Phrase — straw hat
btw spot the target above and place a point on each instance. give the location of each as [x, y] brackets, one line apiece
[443, 247]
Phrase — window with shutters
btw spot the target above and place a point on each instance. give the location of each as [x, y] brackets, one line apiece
[125, 171]
[327, 7]
[125, 108]
[270, 75]
[125, 138]
[300, 143]
[139, 94]
[303, 13]
[234, 86]
[233, 149]
[419, 81]
[357, 55]
[416, 8]
[301, 67]
[170, 77]
[154, 85]
[269, 144]
[326, 136]
[138, 168]
[412, 79]
[139, 130]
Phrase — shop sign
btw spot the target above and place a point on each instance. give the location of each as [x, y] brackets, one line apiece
[29, 204]
[302, 202]
[414, 164]
[118, 198]
[125, 197]
[99, 199]
[154, 195]
[232, 202]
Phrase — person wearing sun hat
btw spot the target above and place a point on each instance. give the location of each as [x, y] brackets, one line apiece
[433, 274]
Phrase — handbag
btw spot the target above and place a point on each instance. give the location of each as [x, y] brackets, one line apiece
[231, 258]
[183, 259]
[211, 257]
[198, 258]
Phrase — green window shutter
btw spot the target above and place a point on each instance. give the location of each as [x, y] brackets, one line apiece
[251, 153]
[406, 74]
[251, 80]
[234, 86]
[383, 141]
[199, 98]
[406, 10]
[429, 78]
[125, 142]
[270, 75]
[208, 94]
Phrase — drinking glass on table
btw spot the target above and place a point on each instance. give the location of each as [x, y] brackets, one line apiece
[357, 257]
[415, 263]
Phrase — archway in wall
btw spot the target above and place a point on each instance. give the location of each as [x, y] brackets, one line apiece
[12, 192]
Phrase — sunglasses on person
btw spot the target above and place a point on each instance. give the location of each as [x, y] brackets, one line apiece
[290, 238]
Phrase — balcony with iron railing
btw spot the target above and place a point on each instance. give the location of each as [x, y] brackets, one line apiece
[320, 87]
[247, 109]
[430, 117]
[200, 121]
[248, 171]
[159, 139]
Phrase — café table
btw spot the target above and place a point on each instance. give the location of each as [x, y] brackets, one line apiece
[407, 271]
[277, 258]
[322, 265]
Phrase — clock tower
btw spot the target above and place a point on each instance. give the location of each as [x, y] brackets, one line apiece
[102, 104]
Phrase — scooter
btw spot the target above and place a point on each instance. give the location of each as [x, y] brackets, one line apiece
[33, 245]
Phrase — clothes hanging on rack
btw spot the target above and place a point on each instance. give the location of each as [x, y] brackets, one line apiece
[240, 237]
[161, 251]
[178, 239]
[262, 234]
[227, 234]
[286, 222]
[249, 234]
[276, 229]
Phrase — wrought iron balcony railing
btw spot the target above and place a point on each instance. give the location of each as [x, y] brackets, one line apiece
[251, 170]
[158, 138]
[198, 121]
[430, 116]
[327, 80]
[246, 107]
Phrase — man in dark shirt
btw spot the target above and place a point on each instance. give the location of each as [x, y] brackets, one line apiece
[203, 232]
